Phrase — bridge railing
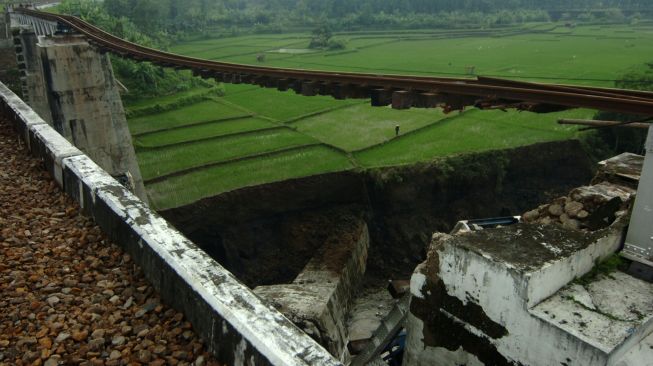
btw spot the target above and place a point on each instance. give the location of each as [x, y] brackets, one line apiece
[236, 325]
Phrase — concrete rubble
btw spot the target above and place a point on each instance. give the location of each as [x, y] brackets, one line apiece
[533, 293]
[67, 295]
[320, 297]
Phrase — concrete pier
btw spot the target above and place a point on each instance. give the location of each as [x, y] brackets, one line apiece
[86, 107]
[5, 31]
[31, 71]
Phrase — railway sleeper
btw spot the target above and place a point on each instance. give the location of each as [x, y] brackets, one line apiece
[296, 86]
[283, 85]
[271, 82]
[260, 80]
[340, 91]
[324, 88]
[359, 92]
[381, 97]
[402, 99]
[203, 73]
[238, 78]
[427, 100]
[228, 77]
[310, 88]
[458, 102]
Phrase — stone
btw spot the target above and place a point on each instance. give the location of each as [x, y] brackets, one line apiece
[140, 313]
[118, 340]
[572, 224]
[45, 342]
[29, 356]
[115, 355]
[199, 361]
[582, 214]
[42, 333]
[531, 216]
[564, 218]
[62, 337]
[98, 333]
[143, 333]
[53, 300]
[80, 335]
[556, 210]
[53, 260]
[69, 282]
[97, 343]
[144, 356]
[573, 208]
[52, 361]
[180, 355]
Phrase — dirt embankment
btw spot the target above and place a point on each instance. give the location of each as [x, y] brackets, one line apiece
[266, 234]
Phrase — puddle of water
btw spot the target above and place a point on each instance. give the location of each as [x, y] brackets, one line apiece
[294, 51]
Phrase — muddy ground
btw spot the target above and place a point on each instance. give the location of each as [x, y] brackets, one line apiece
[266, 234]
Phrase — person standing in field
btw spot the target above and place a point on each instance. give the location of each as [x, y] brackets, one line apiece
[397, 130]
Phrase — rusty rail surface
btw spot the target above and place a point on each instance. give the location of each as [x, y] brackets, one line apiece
[400, 91]
[597, 123]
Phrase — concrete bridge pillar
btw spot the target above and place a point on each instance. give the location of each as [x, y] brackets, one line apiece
[5, 30]
[86, 106]
[31, 70]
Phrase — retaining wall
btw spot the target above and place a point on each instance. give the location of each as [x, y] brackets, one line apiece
[237, 327]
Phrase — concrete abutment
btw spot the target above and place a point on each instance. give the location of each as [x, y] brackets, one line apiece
[31, 70]
[73, 88]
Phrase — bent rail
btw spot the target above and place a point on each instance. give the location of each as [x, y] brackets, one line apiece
[400, 91]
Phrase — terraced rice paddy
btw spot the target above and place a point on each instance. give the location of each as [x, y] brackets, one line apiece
[253, 135]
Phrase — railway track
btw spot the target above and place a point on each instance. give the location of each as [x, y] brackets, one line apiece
[399, 91]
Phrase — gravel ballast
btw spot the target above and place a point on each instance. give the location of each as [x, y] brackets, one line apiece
[67, 295]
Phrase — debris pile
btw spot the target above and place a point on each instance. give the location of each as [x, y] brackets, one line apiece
[588, 208]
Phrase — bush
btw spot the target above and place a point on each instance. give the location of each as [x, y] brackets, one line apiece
[178, 103]
[336, 44]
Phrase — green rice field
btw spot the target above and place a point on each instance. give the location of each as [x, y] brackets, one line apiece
[252, 135]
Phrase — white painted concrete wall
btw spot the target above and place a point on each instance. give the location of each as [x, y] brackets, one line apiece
[508, 295]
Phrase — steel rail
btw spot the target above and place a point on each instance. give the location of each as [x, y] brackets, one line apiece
[480, 80]
[489, 91]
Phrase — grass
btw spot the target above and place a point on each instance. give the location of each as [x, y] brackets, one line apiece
[579, 55]
[276, 105]
[359, 135]
[181, 190]
[204, 131]
[160, 162]
[360, 126]
[203, 111]
[473, 131]
[145, 103]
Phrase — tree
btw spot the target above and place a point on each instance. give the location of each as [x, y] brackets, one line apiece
[321, 37]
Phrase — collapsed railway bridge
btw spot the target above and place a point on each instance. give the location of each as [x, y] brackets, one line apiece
[302, 321]
[399, 91]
